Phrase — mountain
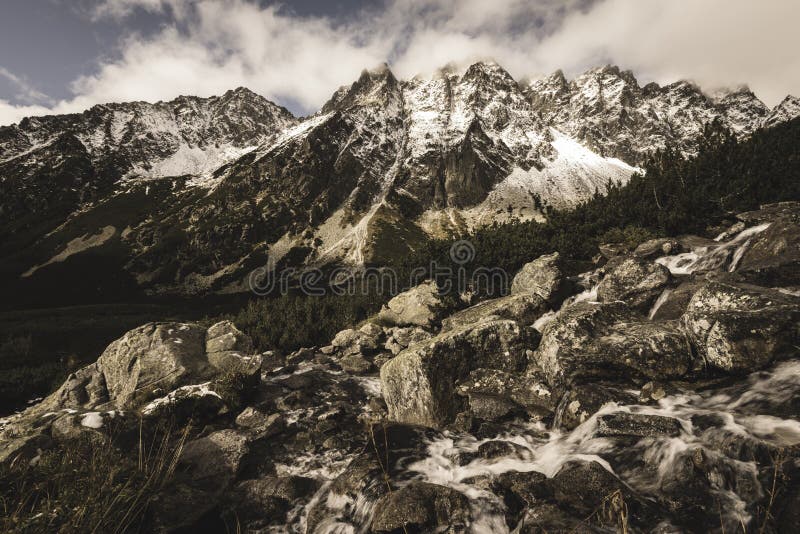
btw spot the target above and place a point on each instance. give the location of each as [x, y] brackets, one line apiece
[188, 196]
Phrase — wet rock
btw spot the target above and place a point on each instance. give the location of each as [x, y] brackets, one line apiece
[589, 341]
[655, 248]
[419, 306]
[582, 401]
[528, 391]
[419, 383]
[544, 518]
[636, 425]
[739, 328]
[265, 424]
[584, 486]
[524, 308]
[522, 488]
[772, 257]
[422, 506]
[672, 303]
[636, 282]
[267, 500]
[542, 277]
[655, 391]
[502, 449]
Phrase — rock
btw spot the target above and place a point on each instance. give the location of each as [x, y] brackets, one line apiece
[544, 518]
[740, 328]
[655, 248]
[636, 425]
[526, 488]
[85, 388]
[582, 401]
[771, 212]
[528, 391]
[153, 359]
[225, 337]
[655, 391]
[418, 384]
[543, 277]
[402, 338]
[356, 364]
[197, 400]
[419, 306]
[672, 303]
[612, 250]
[589, 341]
[264, 424]
[584, 486]
[421, 506]
[772, 257]
[353, 341]
[524, 308]
[503, 449]
[636, 282]
[267, 500]
[206, 469]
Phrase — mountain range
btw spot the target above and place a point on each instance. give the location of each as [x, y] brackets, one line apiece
[188, 196]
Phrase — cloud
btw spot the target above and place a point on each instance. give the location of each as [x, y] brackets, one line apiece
[209, 46]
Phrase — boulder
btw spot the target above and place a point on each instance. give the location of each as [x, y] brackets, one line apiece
[419, 383]
[636, 425]
[589, 341]
[527, 391]
[583, 486]
[772, 257]
[739, 328]
[546, 518]
[224, 337]
[400, 338]
[655, 248]
[524, 308]
[543, 277]
[584, 400]
[420, 506]
[636, 282]
[672, 303]
[363, 341]
[420, 306]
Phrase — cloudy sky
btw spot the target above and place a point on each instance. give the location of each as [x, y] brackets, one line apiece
[67, 55]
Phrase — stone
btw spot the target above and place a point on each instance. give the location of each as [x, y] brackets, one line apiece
[420, 506]
[636, 282]
[637, 425]
[224, 336]
[772, 257]
[401, 338]
[524, 308]
[740, 328]
[590, 341]
[583, 486]
[672, 303]
[419, 383]
[503, 449]
[154, 358]
[655, 248]
[542, 277]
[526, 390]
[584, 400]
[420, 306]
[356, 364]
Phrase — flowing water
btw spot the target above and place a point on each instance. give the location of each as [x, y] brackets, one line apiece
[722, 425]
[721, 256]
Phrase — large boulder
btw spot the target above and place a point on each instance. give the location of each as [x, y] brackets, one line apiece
[422, 507]
[488, 389]
[524, 308]
[543, 277]
[590, 341]
[422, 305]
[772, 257]
[419, 383]
[636, 282]
[739, 328]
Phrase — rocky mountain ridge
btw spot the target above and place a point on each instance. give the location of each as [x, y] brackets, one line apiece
[188, 196]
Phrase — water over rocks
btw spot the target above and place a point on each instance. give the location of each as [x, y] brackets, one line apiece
[662, 399]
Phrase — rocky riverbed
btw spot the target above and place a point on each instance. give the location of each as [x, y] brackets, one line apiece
[657, 393]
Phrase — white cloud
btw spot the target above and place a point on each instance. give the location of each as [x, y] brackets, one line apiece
[216, 45]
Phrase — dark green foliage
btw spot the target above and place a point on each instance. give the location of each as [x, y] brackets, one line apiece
[289, 322]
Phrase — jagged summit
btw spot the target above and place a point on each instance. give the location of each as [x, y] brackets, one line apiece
[230, 180]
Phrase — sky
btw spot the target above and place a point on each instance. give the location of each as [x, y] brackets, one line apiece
[63, 56]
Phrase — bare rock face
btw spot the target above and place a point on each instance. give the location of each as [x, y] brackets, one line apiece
[542, 277]
[419, 306]
[772, 257]
[740, 328]
[419, 383]
[637, 283]
[589, 341]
